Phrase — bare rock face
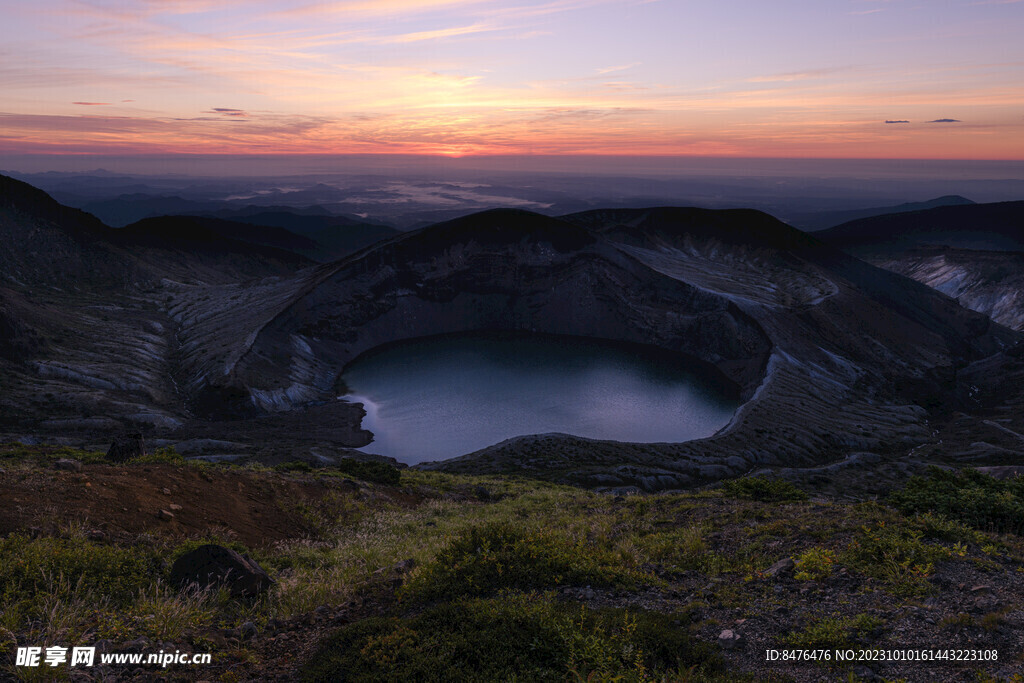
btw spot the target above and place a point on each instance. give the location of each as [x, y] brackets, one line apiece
[126, 446]
[213, 565]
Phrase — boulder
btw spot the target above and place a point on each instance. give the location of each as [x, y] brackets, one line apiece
[213, 565]
[126, 446]
[729, 639]
[68, 464]
[783, 566]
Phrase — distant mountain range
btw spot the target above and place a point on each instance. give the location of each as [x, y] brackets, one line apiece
[998, 227]
[820, 220]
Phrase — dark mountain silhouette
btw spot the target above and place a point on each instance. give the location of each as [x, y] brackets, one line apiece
[327, 237]
[47, 243]
[221, 248]
[993, 227]
[130, 208]
[821, 220]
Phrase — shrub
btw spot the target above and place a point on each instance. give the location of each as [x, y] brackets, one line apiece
[36, 570]
[836, 632]
[44, 454]
[815, 564]
[524, 637]
[376, 472]
[294, 466]
[682, 548]
[896, 555]
[976, 499]
[161, 456]
[763, 489]
[496, 556]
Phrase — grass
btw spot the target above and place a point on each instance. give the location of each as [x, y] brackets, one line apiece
[501, 574]
[815, 564]
[513, 637]
[896, 555]
[836, 632]
[975, 499]
[497, 556]
[763, 489]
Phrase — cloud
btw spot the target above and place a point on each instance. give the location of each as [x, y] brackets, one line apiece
[226, 111]
[946, 121]
[437, 34]
[898, 121]
[93, 104]
[799, 75]
[611, 69]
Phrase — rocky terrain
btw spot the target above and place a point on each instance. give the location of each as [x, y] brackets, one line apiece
[971, 253]
[179, 328]
[374, 574]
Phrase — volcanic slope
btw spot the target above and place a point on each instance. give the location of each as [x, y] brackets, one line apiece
[974, 254]
[87, 342]
[831, 354]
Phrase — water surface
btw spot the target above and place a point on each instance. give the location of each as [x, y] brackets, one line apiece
[439, 397]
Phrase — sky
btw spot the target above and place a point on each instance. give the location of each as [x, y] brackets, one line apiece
[874, 79]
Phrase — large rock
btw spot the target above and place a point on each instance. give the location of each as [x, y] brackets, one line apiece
[126, 446]
[214, 565]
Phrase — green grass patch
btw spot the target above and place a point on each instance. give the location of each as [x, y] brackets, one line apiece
[376, 472]
[815, 564]
[897, 555]
[486, 559]
[36, 571]
[513, 637]
[45, 455]
[835, 632]
[763, 489]
[161, 456]
[975, 499]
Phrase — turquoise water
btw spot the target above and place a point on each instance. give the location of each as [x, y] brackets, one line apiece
[439, 397]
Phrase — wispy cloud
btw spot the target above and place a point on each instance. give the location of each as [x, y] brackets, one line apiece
[898, 121]
[809, 74]
[612, 69]
[945, 121]
[93, 104]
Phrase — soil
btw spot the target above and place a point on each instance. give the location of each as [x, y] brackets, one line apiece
[124, 502]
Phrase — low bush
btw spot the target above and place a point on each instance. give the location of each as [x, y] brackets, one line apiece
[976, 499]
[376, 472]
[513, 637]
[161, 456]
[815, 564]
[763, 489]
[294, 466]
[34, 571]
[896, 555]
[487, 559]
[835, 632]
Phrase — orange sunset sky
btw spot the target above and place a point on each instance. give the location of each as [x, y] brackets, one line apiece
[828, 78]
